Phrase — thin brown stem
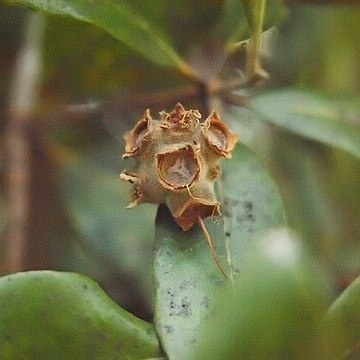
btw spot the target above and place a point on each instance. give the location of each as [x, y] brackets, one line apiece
[140, 101]
[23, 97]
[211, 246]
[157, 99]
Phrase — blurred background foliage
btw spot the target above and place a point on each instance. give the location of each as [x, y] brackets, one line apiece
[94, 88]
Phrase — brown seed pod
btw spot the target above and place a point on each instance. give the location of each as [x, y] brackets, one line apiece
[177, 162]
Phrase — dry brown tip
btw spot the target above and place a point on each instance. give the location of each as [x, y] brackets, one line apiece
[136, 195]
[211, 246]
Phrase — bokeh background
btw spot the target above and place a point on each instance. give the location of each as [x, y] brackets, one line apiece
[93, 88]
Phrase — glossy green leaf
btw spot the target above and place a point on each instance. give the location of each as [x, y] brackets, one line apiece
[119, 20]
[332, 122]
[186, 276]
[53, 315]
[343, 319]
[274, 312]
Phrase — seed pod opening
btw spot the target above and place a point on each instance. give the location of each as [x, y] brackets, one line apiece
[193, 211]
[179, 168]
[217, 134]
[134, 138]
[188, 205]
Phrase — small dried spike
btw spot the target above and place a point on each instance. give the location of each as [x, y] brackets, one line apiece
[177, 113]
[136, 194]
[173, 119]
[190, 120]
[130, 177]
[180, 119]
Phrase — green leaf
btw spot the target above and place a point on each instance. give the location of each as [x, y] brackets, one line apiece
[96, 201]
[53, 315]
[343, 319]
[234, 26]
[251, 206]
[119, 20]
[237, 21]
[186, 276]
[312, 116]
[275, 311]
[275, 12]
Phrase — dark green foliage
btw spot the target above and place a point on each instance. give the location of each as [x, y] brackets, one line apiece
[53, 315]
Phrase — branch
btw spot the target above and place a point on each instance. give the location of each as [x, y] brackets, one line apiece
[135, 101]
[22, 101]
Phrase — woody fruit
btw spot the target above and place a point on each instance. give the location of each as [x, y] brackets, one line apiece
[177, 162]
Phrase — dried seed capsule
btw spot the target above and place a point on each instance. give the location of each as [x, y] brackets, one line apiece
[177, 162]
